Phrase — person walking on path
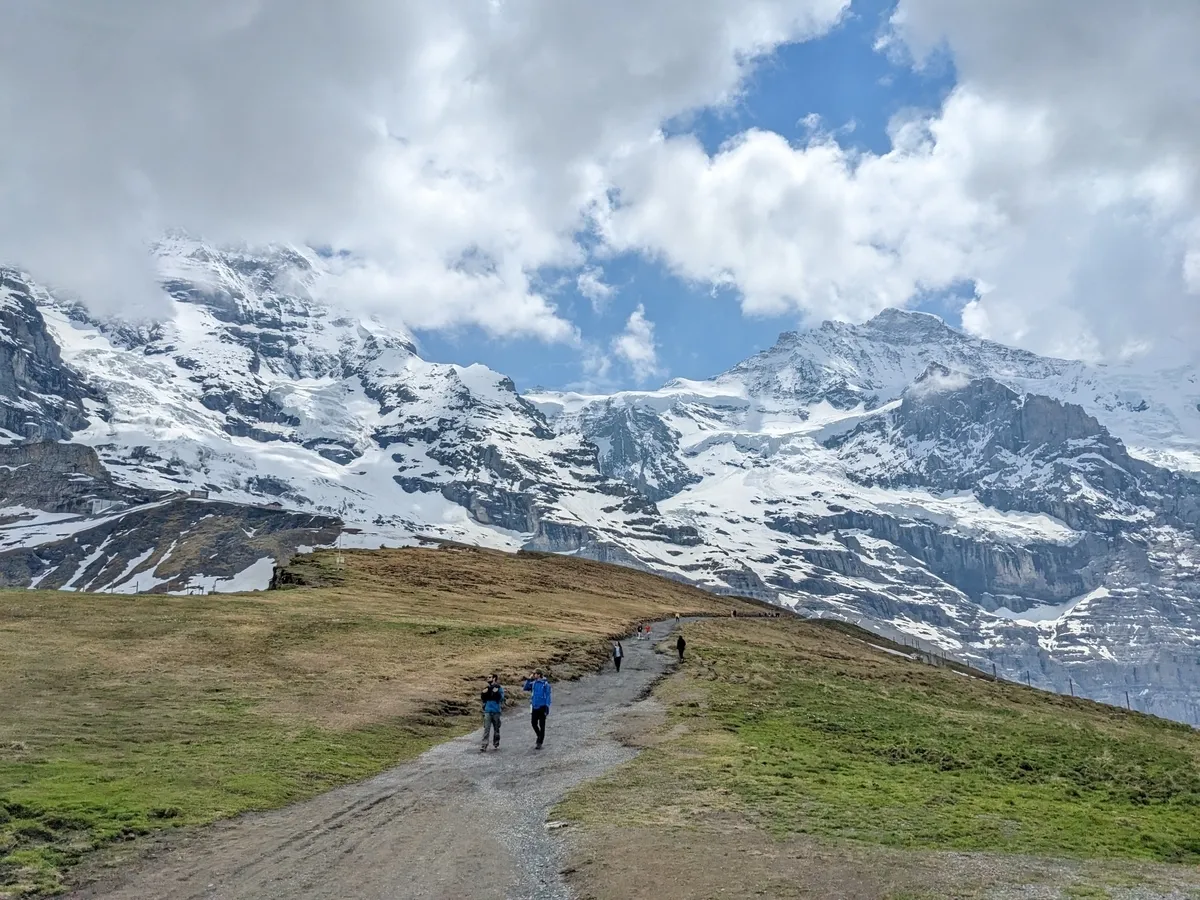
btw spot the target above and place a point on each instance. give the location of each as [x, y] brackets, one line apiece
[539, 704]
[680, 644]
[618, 655]
[492, 698]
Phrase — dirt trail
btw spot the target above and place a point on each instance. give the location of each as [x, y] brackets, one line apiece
[453, 823]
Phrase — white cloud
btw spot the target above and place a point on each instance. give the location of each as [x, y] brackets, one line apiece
[591, 284]
[1103, 222]
[635, 346]
[814, 229]
[455, 148]
[938, 383]
[1060, 174]
[597, 366]
[458, 149]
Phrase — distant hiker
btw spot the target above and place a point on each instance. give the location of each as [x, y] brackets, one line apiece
[679, 646]
[618, 655]
[492, 698]
[676, 618]
[539, 704]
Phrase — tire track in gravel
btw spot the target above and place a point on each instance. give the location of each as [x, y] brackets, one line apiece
[453, 824]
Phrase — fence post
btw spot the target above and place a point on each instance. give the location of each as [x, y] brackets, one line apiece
[1071, 684]
[993, 670]
[1027, 682]
[1127, 706]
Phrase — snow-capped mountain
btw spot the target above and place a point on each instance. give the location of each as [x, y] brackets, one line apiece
[1039, 513]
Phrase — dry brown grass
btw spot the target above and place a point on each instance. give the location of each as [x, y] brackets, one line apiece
[124, 713]
[391, 633]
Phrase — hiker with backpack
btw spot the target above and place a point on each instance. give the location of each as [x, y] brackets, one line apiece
[492, 698]
[679, 646]
[618, 654]
[539, 704]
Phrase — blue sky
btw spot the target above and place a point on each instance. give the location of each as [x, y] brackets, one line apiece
[855, 89]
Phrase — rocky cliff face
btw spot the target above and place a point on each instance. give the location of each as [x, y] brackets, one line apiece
[1038, 513]
[41, 398]
[59, 478]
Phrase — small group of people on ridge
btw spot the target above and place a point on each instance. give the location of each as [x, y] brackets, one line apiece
[492, 698]
[538, 688]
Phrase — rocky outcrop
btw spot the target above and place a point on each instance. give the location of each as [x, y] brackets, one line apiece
[41, 397]
[1015, 452]
[635, 446]
[170, 546]
[59, 478]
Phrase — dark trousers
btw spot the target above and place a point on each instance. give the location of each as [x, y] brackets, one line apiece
[538, 719]
[617, 662]
[680, 649]
[491, 723]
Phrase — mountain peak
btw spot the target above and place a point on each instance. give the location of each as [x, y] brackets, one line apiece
[910, 322]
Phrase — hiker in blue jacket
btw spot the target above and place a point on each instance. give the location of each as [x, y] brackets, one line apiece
[492, 698]
[539, 704]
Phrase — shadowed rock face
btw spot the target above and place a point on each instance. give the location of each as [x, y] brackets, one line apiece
[41, 398]
[637, 447]
[1016, 452]
[1134, 561]
[59, 478]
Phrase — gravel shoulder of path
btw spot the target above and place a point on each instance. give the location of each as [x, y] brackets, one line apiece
[454, 823]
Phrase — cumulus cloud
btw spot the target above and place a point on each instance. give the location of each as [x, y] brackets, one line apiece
[635, 346]
[1105, 221]
[591, 284]
[816, 229]
[1060, 176]
[455, 149]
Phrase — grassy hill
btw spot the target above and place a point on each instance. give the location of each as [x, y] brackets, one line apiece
[126, 714]
[788, 759]
[799, 759]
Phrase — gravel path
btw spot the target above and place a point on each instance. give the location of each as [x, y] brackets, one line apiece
[453, 823]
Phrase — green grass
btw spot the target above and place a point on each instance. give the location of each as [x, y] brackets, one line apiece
[150, 764]
[808, 731]
[126, 715]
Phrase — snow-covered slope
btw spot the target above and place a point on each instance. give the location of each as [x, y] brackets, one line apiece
[257, 393]
[1035, 512]
[1039, 513]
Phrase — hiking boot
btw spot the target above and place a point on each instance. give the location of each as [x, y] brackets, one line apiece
[483, 749]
